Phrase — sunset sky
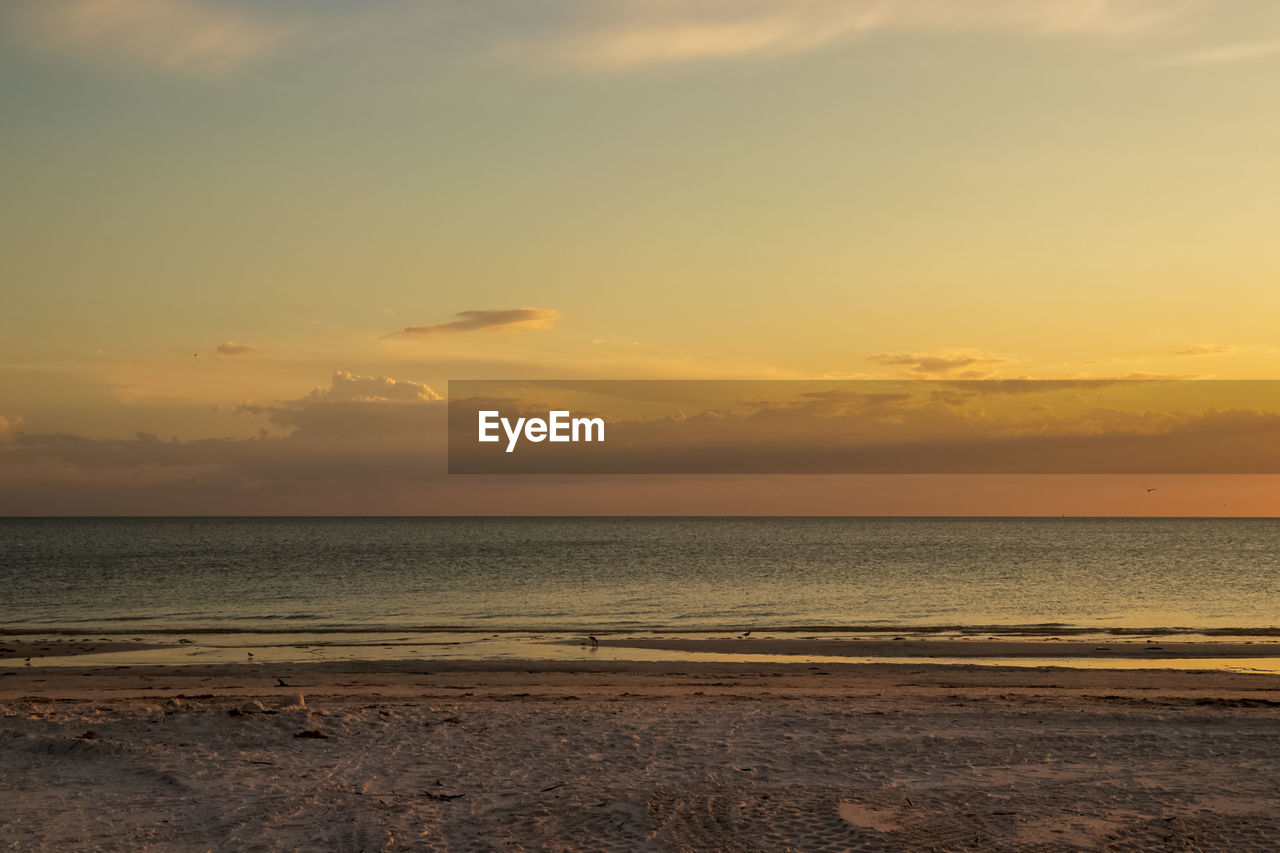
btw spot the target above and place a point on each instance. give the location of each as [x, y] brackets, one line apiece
[246, 229]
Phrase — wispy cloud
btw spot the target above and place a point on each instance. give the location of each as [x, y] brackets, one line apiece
[187, 36]
[474, 321]
[643, 32]
[1207, 349]
[1229, 53]
[233, 348]
[1162, 377]
[965, 364]
[211, 37]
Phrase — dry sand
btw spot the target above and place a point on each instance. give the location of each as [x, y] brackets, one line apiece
[637, 756]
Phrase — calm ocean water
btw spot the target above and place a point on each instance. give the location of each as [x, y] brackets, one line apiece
[677, 574]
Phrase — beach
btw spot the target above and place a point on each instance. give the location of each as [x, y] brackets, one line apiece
[637, 755]
[669, 684]
[640, 426]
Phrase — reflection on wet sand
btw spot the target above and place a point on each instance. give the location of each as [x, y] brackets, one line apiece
[1226, 654]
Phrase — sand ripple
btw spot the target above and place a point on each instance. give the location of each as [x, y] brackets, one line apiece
[635, 774]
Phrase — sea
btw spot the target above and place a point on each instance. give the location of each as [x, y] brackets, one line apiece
[689, 575]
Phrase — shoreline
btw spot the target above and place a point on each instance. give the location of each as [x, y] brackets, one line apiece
[396, 677]
[18, 654]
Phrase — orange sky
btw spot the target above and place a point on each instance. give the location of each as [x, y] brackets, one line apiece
[230, 227]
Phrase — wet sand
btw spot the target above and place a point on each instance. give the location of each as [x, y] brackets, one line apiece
[615, 755]
[60, 647]
[957, 648]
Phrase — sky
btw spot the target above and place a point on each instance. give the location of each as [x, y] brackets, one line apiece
[228, 228]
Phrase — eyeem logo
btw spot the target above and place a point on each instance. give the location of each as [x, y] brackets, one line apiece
[558, 426]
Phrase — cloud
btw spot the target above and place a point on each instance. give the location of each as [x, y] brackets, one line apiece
[1224, 54]
[354, 406]
[187, 36]
[1070, 428]
[474, 321]
[642, 32]
[361, 445]
[1161, 377]
[210, 37]
[1207, 349]
[961, 363]
[233, 348]
[348, 387]
[353, 451]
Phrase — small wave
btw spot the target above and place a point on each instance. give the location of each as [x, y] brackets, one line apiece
[1043, 629]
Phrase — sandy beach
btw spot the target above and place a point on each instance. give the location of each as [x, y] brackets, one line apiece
[606, 755]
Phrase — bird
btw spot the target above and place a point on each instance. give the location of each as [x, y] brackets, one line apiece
[595, 644]
[251, 655]
[1152, 489]
[744, 634]
[280, 682]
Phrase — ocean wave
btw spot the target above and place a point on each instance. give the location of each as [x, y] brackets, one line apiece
[1047, 630]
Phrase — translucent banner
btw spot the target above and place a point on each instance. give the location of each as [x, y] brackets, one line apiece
[1094, 426]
